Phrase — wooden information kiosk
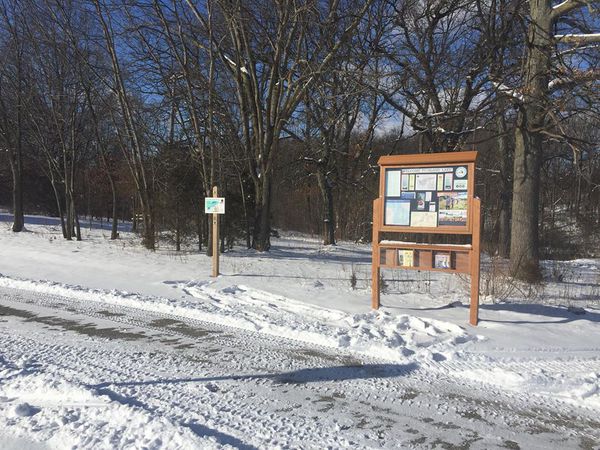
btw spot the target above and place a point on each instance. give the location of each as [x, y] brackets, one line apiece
[430, 194]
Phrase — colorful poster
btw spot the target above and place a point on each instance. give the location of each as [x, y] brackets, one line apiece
[392, 183]
[453, 208]
[397, 212]
[440, 182]
[426, 182]
[423, 219]
[406, 258]
[420, 200]
[426, 196]
[448, 182]
[404, 182]
[460, 185]
[461, 172]
[442, 261]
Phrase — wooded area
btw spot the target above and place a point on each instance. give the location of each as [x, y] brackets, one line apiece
[134, 109]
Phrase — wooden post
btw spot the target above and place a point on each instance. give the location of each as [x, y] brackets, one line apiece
[375, 270]
[215, 239]
[475, 261]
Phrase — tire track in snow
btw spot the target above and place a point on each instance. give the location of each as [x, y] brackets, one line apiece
[370, 393]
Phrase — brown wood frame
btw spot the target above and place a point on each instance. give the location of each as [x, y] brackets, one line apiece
[472, 228]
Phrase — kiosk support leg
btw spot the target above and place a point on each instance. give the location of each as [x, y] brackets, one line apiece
[475, 262]
[375, 270]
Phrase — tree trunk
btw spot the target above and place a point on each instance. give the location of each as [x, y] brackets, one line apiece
[199, 221]
[245, 207]
[114, 233]
[69, 214]
[524, 248]
[16, 162]
[17, 173]
[505, 180]
[531, 120]
[149, 239]
[77, 225]
[58, 206]
[177, 234]
[261, 236]
[328, 211]
[209, 232]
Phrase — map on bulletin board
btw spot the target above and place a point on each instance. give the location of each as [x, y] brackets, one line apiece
[426, 196]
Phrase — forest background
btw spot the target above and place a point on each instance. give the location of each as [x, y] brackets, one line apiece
[134, 109]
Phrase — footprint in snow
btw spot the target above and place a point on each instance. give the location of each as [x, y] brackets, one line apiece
[25, 410]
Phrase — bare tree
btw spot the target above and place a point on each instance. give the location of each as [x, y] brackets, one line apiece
[535, 120]
[261, 45]
[130, 141]
[59, 110]
[12, 85]
[434, 71]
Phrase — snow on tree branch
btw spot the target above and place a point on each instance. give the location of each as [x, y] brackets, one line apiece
[578, 38]
[574, 78]
[509, 92]
[568, 6]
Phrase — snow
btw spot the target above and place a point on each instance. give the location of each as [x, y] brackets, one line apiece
[561, 5]
[573, 37]
[376, 333]
[390, 242]
[536, 346]
[504, 89]
[68, 415]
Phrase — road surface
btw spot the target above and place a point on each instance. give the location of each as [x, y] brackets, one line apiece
[247, 390]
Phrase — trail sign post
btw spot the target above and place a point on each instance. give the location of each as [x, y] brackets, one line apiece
[427, 194]
[215, 205]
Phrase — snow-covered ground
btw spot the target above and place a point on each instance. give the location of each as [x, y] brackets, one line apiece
[532, 351]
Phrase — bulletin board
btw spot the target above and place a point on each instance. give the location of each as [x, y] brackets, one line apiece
[427, 193]
[427, 197]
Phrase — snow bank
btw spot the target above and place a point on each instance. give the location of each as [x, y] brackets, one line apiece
[377, 334]
[38, 407]
[579, 389]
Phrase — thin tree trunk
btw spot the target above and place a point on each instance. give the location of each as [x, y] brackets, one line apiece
[58, 206]
[136, 157]
[17, 162]
[114, 233]
[134, 224]
[177, 231]
[505, 180]
[199, 221]
[17, 191]
[328, 212]
[246, 217]
[69, 214]
[77, 225]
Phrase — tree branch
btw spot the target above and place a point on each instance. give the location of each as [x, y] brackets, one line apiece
[567, 6]
[578, 38]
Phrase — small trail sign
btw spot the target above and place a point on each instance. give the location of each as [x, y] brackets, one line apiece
[214, 205]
